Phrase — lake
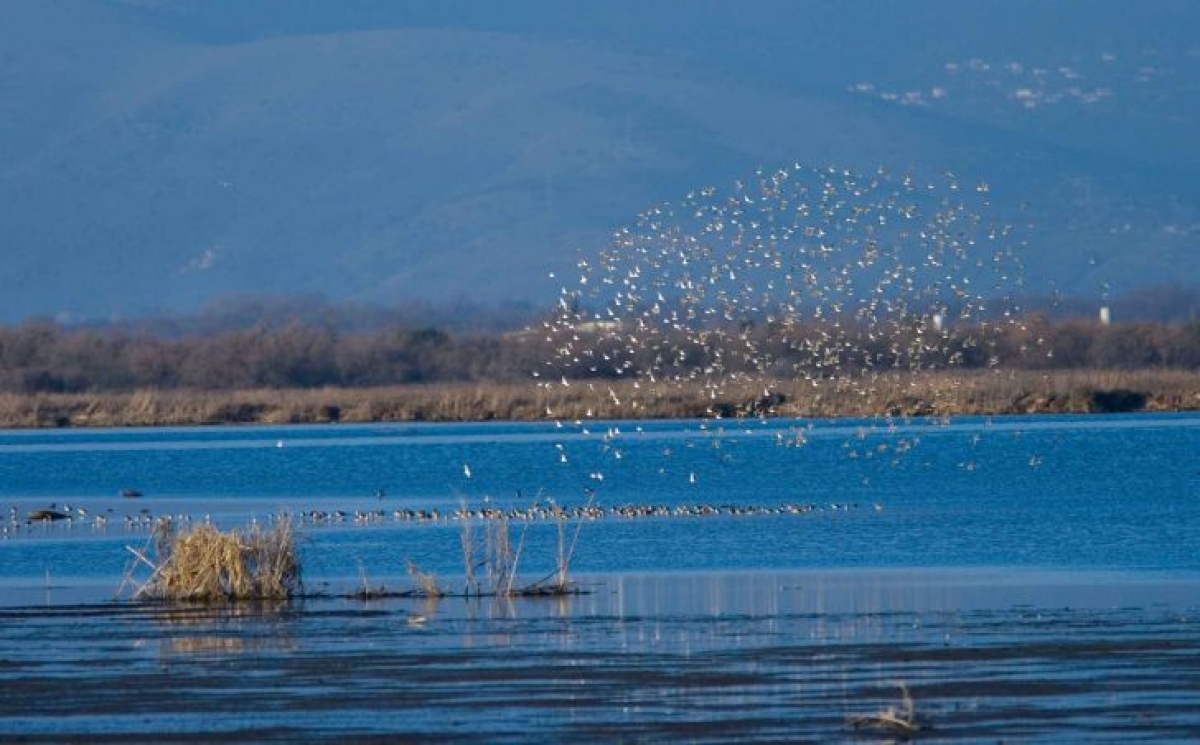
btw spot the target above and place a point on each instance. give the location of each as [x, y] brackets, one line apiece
[1095, 492]
[1024, 577]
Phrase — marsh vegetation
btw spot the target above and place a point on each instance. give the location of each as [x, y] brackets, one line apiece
[202, 564]
[933, 393]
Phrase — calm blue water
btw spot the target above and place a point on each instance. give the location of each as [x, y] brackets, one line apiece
[1094, 492]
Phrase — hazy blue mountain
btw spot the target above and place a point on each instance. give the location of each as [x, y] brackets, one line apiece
[158, 154]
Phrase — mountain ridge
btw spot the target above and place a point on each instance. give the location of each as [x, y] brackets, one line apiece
[152, 169]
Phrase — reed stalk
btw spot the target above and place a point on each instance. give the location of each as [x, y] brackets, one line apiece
[426, 583]
[467, 540]
[903, 721]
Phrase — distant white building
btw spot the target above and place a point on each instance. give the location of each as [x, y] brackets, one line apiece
[1105, 316]
[598, 327]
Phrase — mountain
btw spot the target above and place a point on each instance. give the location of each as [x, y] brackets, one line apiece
[157, 155]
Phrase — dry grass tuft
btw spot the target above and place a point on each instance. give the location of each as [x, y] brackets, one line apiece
[902, 721]
[366, 591]
[203, 564]
[559, 581]
[501, 557]
[427, 585]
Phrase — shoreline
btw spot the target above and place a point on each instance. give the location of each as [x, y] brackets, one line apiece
[887, 394]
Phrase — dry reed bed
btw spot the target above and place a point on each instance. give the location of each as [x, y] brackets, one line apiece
[943, 393]
[204, 565]
[492, 561]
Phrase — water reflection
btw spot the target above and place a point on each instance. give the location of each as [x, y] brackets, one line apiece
[788, 655]
[236, 628]
[885, 591]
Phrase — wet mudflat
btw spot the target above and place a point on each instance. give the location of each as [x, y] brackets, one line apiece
[693, 656]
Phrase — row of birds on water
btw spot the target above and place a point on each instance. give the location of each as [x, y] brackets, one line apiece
[71, 516]
[54, 517]
[580, 512]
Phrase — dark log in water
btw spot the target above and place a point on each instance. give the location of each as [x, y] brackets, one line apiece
[46, 515]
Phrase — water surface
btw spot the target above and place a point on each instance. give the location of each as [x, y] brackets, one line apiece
[1029, 578]
[1097, 492]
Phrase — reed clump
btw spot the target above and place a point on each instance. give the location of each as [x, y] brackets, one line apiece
[502, 557]
[492, 558]
[902, 721]
[426, 582]
[202, 564]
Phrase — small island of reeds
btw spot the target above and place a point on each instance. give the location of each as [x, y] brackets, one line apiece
[202, 564]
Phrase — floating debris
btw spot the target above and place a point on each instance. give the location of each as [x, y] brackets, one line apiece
[50, 515]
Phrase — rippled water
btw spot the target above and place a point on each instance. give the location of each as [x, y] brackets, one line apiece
[1025, 578]
[709, 657]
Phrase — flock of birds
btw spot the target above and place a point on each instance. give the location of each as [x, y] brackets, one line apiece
[802, 272]
[550, 512]
[57, 520]
[39, 521]
[799, 274]
[1084, 80]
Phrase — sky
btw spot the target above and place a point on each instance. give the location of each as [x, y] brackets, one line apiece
[158, 157]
